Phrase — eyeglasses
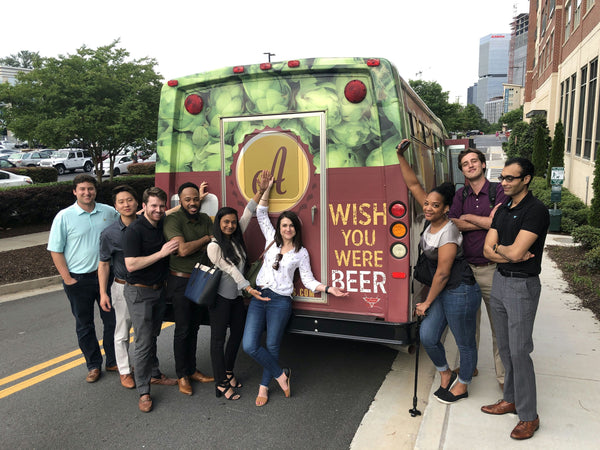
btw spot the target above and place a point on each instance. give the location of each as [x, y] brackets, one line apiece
[510, 178]
[277, 259]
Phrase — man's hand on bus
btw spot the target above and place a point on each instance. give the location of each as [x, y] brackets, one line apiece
[402, 147]
[203, 190]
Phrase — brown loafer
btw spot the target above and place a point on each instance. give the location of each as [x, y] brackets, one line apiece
[145, 403]
[127, 381]
[184, 386]
[93, 376]
[112, 368]
[163, 380]
[200, 377]
[525, 430]
[500, 407]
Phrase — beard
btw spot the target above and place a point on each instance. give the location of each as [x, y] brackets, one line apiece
[191, 216]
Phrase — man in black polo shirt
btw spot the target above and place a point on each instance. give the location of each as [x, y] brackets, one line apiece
[146, 258]
[515, 242]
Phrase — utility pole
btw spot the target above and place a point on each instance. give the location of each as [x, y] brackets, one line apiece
[269, 54]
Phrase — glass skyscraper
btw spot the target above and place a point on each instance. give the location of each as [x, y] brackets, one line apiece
[493, 67]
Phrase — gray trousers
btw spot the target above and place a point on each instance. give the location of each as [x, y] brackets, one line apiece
[146, 309]
[514, 303]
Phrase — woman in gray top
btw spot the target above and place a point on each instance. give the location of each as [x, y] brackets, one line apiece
[228, 252]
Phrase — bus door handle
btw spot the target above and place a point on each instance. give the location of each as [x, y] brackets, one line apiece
[313, 211]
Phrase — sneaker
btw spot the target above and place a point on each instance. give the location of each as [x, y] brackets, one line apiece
[453, 378]
[448, 397]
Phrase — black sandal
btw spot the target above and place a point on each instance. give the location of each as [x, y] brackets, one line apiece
[226, 388]
[230, 376]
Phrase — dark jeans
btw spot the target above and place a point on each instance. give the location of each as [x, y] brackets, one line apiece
[188, 316]
[146, 309]
[82, 296]
[225, 312]
[274, 315]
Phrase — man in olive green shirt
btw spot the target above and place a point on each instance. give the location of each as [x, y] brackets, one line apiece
[192, 229]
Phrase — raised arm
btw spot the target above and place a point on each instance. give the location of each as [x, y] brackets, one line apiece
[410, 178]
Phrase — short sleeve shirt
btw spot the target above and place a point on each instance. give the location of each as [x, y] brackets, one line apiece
[76, 233]
[531, 215]
[143, 239]
[111, 247]
[179, 224]
[477, 204]
[431, 242]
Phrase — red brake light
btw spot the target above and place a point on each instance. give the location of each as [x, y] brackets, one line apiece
[238, 69]
[355, 91]
[397, 209]
[374, 62]
[172, 83]
[294, 63]
[194, 104]
[400, 275]
[265, 66]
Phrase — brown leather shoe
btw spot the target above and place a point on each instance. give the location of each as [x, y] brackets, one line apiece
[184, 386]
[127, 381]
[500, 407]
[145, 403]
[475, 372]
[200, 377]
[163, 380]
[93, 376]
[525, 430]
[112, 368]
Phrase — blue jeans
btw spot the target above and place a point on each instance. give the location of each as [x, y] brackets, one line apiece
[456, 308]
[273, 314]
[82, 296]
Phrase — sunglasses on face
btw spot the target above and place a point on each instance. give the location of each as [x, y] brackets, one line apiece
[277, 259]
[510, 178]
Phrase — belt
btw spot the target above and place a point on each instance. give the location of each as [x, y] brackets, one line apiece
[118, 280]
[154, 287]
[93, 273]
[509, 274]
[180, 274]
[485, 264]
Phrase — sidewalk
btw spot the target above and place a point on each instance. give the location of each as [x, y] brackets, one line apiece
[567, 365]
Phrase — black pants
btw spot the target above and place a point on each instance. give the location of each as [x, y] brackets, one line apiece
[225, 312]
[188, 316]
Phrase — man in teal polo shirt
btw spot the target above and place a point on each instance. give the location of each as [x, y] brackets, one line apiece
[73, 244]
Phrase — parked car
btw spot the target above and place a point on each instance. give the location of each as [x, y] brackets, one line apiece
[121, 165]
[69, 159]
[7, 151]
[8, 179]
[6, 164]
[151, 158]
[30, 159]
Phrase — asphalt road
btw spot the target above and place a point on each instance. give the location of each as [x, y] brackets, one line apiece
[45, 402]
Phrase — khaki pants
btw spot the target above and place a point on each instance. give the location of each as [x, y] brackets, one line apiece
[484, 276]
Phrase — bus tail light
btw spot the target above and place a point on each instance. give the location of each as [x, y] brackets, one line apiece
[172, 83]
[398, 230]
[265, 66]
[398, 250]
[294, 63]
[397, 209]
[399, 275]
[238, 69]
[194, 104]
[373, 62]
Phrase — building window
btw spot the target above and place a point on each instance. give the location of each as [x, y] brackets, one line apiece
[571, 111]
[562, 102]
[589, 118]
[581, 112]
[577, 14]
[567, 20]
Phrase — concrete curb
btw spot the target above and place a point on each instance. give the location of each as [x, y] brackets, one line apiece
[30, 285]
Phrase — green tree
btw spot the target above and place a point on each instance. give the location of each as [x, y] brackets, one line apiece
[594, 215]
[516, 138]
[471, 118]
[24, 59]
[539, 156]
[557, 154]
[432, 94]
[95, 99]
[511, 118]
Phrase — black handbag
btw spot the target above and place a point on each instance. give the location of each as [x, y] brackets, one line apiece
[424, 269]
[203, 285]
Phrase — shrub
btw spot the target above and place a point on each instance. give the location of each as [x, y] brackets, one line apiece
[592, 259]
[147, 168]
[574, 211]
[39, 204]
[37, 174]
[587, 235]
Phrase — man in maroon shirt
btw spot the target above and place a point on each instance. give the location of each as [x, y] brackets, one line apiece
[472, 211]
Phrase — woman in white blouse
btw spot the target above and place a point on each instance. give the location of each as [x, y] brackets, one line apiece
[275, 281]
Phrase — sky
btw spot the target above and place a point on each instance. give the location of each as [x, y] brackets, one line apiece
[435, 40]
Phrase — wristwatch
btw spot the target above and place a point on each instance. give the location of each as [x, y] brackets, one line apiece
[495, 248]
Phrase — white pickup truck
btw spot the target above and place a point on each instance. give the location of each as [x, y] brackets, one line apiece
[69, 159]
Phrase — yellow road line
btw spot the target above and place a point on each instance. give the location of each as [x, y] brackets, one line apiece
[56, 371]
